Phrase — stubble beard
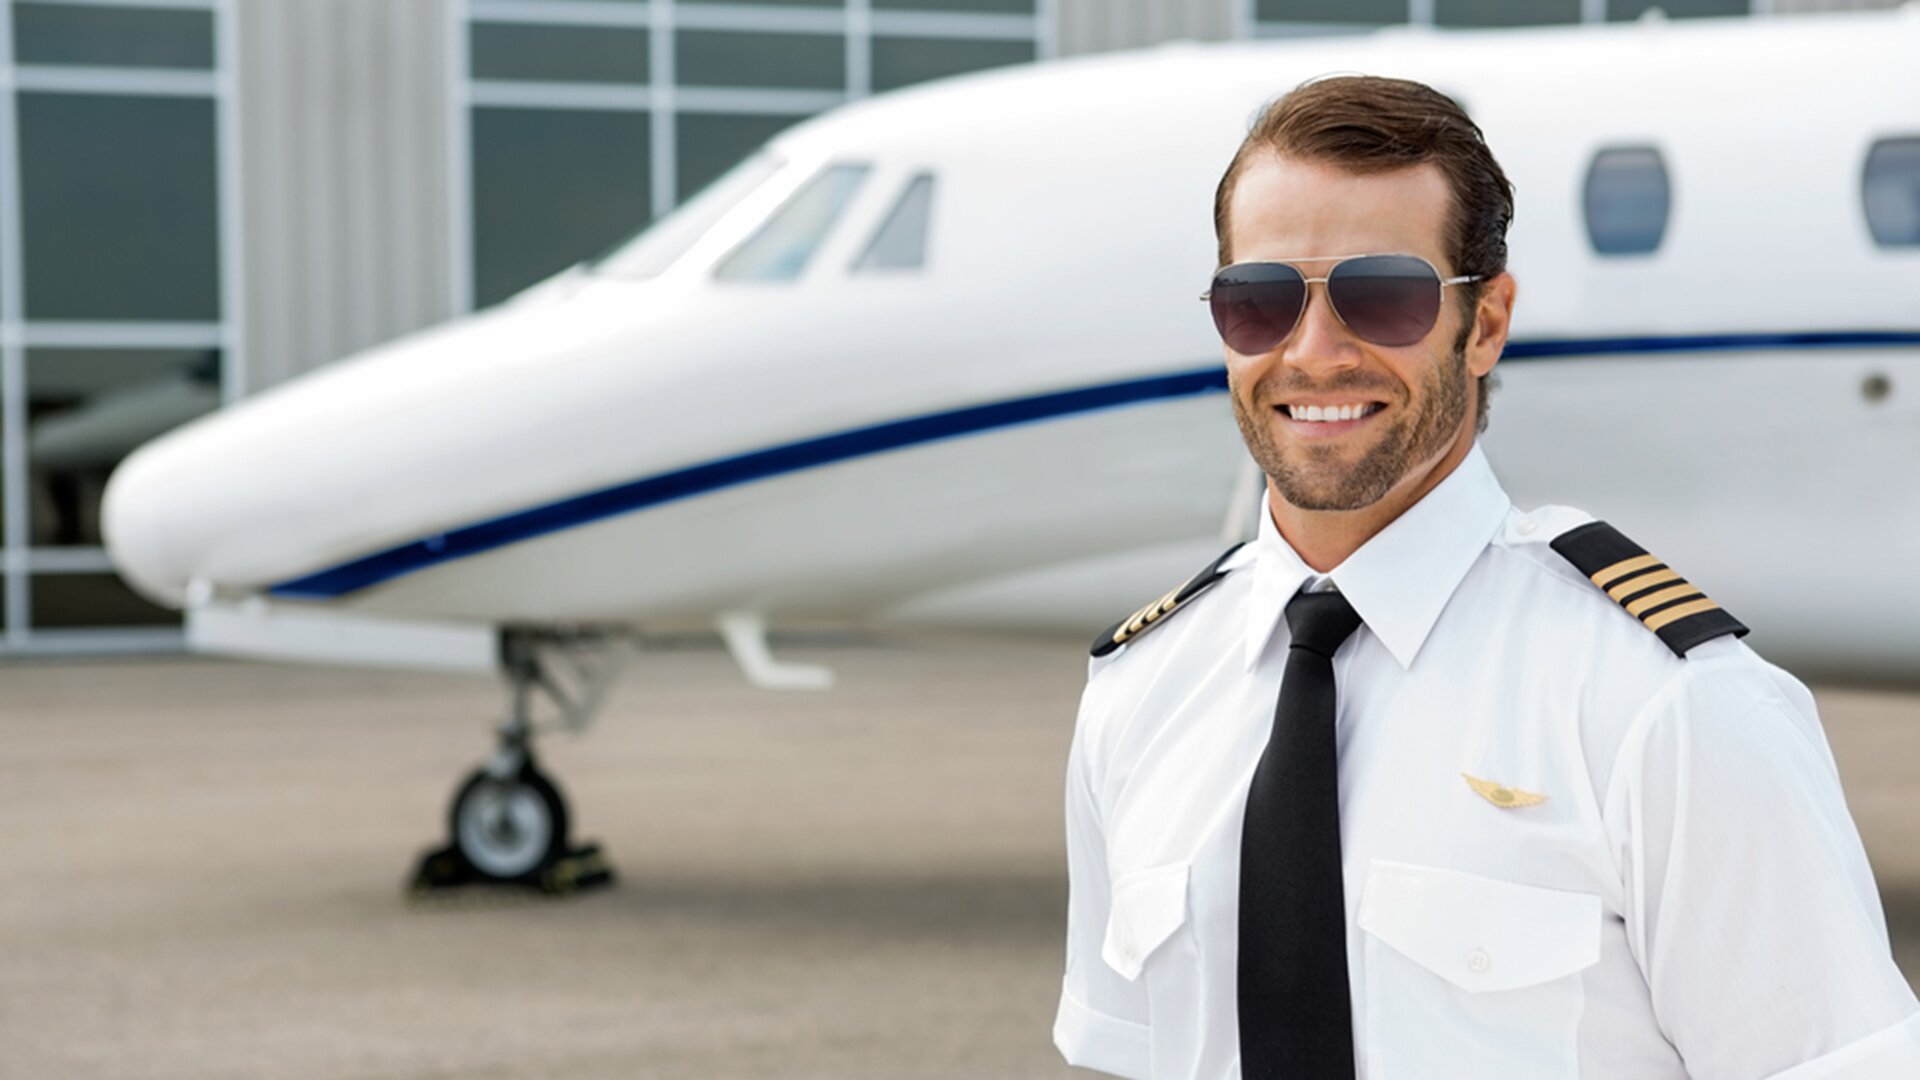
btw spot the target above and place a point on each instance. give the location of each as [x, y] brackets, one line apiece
[1315, 477]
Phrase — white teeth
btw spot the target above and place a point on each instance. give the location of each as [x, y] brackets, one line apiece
[1330, 412]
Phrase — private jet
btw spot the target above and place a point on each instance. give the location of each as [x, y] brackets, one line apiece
[936, 357]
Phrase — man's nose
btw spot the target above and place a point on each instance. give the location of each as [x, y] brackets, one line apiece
[1321, 343]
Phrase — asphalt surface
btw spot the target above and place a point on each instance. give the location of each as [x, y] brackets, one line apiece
[203, 864]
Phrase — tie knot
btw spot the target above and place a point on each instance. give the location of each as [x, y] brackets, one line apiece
[1320, 621]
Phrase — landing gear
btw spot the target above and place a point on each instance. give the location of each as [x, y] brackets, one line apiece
[508, 821]
[509, 827]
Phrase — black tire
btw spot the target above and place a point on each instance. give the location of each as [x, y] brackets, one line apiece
[508, 830]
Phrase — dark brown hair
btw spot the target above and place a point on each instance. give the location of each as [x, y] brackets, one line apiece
[1366, 124]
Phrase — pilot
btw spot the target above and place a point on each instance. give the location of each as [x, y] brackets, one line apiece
[1417, 784]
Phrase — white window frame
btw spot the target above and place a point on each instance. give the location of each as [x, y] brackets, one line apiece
[19, 560]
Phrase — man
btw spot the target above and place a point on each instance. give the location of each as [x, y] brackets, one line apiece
[1416, 784]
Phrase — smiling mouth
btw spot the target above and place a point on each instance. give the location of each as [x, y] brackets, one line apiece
[1327, 414]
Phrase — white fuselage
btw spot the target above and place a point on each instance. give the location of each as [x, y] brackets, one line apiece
[984, 438]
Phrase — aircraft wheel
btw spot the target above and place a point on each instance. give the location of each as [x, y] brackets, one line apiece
[508, 829]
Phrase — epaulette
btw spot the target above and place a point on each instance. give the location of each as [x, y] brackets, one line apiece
[1155, 613]
[1660, 598]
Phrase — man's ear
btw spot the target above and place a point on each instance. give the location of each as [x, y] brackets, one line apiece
[1492, 318]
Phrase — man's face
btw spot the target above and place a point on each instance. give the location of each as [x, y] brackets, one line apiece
[1417, 400]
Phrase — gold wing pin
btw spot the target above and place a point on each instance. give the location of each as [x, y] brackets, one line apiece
[1505, 798]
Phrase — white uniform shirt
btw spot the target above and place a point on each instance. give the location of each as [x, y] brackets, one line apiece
[1690, 900]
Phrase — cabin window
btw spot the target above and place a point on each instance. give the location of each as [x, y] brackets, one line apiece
[780, 250]
[1890, 192]
[1628, 200]
[901, 241]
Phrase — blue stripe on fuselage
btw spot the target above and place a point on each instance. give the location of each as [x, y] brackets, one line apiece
[740, 469]
[933, 427]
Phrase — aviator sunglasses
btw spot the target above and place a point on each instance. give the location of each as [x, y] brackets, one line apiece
[1384, 299]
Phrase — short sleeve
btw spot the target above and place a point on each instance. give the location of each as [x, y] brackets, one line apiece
[1102, 1021]
[1750, 905]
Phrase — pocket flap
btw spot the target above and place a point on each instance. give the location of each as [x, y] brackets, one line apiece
[1148, 906]
[1479, 933]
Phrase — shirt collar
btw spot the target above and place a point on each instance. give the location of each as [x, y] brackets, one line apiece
[1401, 578]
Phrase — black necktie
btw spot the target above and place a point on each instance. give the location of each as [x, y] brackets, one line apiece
[1295, 1021]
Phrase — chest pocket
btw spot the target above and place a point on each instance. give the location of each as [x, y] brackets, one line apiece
[1468, 976]
[1148, 906]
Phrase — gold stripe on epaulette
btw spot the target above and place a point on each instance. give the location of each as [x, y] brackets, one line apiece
[1146, 616]
[1675, 614]
[1664, 596]
[1608, 575]
[1167, 603]
[1641, 581]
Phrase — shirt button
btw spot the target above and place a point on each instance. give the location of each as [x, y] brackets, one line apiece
[1526, 527]
[1478, 960]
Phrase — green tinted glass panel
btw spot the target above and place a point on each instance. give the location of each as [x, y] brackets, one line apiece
[901, 61]
[593, 54]
[120, 207]
[71, 601]
[990, 7]
[112, 36]
[87, 409]
[1505, 12]
[711, 143]
[1371, 12]
[1677, 9]
[552, 187]
[791, 61]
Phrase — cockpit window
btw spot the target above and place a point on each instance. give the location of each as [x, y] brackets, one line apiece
[656, 247]
[780, 250]
[1627, 200]
[1890, 187]
[901, 241]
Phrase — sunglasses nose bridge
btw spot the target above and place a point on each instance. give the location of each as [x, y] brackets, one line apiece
[1319, 314]
[1321, 341]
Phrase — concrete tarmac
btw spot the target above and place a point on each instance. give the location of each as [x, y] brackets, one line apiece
[203, 864]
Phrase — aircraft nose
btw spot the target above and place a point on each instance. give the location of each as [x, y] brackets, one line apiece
[135, 523]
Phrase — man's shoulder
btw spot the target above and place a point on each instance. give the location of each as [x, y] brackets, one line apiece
[1117, 638]
[1587, 570]
[1176, 636]
[1134, 684]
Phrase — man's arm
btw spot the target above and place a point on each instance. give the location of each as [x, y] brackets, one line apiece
[1750, 904]
[1102, 1022]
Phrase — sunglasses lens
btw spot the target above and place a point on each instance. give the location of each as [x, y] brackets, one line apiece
[1256, 304]
[1386, 299]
